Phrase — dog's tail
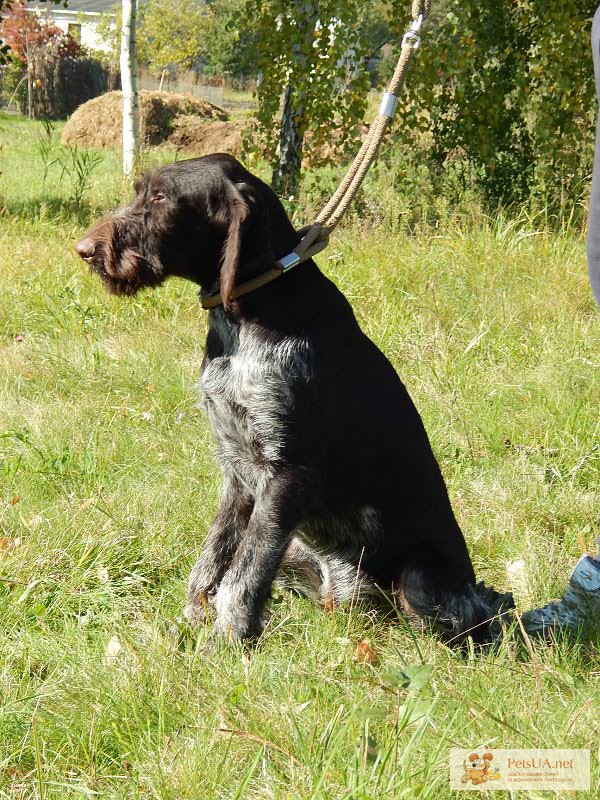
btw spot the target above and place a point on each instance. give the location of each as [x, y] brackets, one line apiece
[473, 611]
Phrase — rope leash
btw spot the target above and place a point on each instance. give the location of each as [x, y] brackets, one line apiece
[315, 237]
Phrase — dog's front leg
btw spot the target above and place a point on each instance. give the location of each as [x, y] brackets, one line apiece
[246, 586]
[221, 543]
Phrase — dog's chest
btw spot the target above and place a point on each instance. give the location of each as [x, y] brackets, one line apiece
[248, 396]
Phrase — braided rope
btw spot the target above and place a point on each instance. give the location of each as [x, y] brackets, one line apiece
[316, 236]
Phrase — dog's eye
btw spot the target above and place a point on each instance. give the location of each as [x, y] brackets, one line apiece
[158, 197]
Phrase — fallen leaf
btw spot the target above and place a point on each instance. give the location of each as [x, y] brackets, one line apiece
[15, 499]
[103, 575]
[7, 545]
[113, 648]
[328, 603]
[365, 654]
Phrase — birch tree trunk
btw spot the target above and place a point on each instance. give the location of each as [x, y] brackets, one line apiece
[286, 175]
[131, 107]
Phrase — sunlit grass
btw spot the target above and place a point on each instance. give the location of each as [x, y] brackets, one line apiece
[108, 484]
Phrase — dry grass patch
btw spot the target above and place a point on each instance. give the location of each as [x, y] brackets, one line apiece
[98, 123]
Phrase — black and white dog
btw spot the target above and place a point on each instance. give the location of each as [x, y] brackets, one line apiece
[328, 472]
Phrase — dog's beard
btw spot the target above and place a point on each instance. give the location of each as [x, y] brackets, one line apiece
[118, 260]
[125, 273]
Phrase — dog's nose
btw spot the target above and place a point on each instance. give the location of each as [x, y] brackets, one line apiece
[85, 248]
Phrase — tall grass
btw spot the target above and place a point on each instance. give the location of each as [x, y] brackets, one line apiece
[108, 484]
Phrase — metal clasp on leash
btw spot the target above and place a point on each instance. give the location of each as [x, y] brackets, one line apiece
[289, 261]
[388, 105]
[411, 37]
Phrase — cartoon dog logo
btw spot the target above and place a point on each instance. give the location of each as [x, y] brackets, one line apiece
[479, 769]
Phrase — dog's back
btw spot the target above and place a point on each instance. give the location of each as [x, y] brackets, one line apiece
[327, 467]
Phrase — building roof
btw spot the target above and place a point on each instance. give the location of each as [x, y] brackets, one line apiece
[77, 6]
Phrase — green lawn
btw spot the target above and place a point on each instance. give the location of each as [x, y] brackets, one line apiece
[108, 484]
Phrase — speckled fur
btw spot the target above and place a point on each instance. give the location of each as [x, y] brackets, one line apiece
[329, 480]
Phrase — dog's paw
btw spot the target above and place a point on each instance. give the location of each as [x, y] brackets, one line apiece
[235, 624]
[240, 630]
[198, 610]
[236, 620]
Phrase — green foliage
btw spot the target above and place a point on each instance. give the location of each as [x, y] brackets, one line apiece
[46, 148]
[502, 100]
[14, 85]
[109, 32]
[315, 50]
[78, 166]
[108, 484]
[509, 90]
[220, 39]
[170, 34]
[228, 45]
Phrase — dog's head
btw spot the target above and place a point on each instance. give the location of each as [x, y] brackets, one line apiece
[206, 219]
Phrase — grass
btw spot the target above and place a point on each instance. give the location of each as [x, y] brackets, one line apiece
[108, 484]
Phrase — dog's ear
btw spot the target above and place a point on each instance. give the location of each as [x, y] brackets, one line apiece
[238, 213]
[247, 238]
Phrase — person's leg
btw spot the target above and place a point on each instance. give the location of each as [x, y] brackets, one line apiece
[578, 610]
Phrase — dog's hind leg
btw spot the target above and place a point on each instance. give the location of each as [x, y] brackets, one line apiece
[302, 570]
[329, 579]
[456, 609]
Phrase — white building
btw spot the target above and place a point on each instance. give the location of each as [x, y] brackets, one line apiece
[80, 18]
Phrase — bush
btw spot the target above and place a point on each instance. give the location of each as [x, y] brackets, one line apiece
[510, 92]
[60, 85]
[14, 85]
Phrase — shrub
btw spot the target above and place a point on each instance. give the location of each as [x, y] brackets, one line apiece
[509, 91]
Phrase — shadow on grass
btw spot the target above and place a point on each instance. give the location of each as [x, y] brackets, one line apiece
[51, 209]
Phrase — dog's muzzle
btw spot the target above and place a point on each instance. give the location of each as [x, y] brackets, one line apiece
[86, 248]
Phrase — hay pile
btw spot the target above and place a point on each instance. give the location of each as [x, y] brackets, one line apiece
[98, 123]
[197, 136]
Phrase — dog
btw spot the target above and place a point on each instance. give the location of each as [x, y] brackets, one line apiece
[329, 480]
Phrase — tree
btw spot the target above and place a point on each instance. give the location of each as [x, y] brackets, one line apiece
[229, 40]
[510, 91]
[131, 108]
[171, 34]
[21, 30]
[312, 49]
[5, 6]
